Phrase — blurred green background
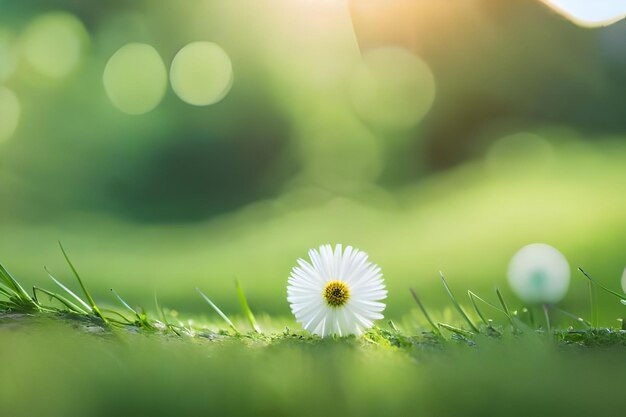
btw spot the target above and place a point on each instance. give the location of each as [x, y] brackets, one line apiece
[432, 135]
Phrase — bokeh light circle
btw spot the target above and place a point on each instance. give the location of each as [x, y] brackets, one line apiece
[8, 55]
[53, 44]
[9, 113]
[135, 78]
[201, 73]
[392, 88]
[539, 273]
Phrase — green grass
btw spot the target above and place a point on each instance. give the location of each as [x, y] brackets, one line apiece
[73, 365]
[66, 358]
[15, 299]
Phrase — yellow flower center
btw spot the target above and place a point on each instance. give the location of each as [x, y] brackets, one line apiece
[336, 293]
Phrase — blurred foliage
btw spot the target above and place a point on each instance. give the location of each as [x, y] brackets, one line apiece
[315, 142]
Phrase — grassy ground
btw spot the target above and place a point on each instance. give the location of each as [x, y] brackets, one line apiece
[69, 366]
[63, 355]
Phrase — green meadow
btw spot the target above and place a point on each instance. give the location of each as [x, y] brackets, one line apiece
[165, 167]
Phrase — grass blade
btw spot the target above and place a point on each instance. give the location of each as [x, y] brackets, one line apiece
[142, 319]
[94, 307]
[393, 326]
[573, 316]
[8, 292]
[12, 283]
[421, 306]
[70, 292]
[505, 307]
[456, 330]
[618, 295]
[67, 303]
[457, 305]
[217, 310]
[124, 303]
[495, 307]
[246, 308]
[21, 299]
[118, 314]
[471, 297]
[161, 313]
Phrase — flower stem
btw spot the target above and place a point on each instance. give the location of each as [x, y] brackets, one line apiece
[547, 315]
[593, 303]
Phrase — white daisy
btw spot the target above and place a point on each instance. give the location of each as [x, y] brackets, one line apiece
[338, 293]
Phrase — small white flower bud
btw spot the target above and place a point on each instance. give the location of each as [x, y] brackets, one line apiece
[539, 273]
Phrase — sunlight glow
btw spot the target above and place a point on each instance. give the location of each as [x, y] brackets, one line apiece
[392, 88]
[53, 44]
[9, 113]
[590, 13]
[201, 73]
[135, 78]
